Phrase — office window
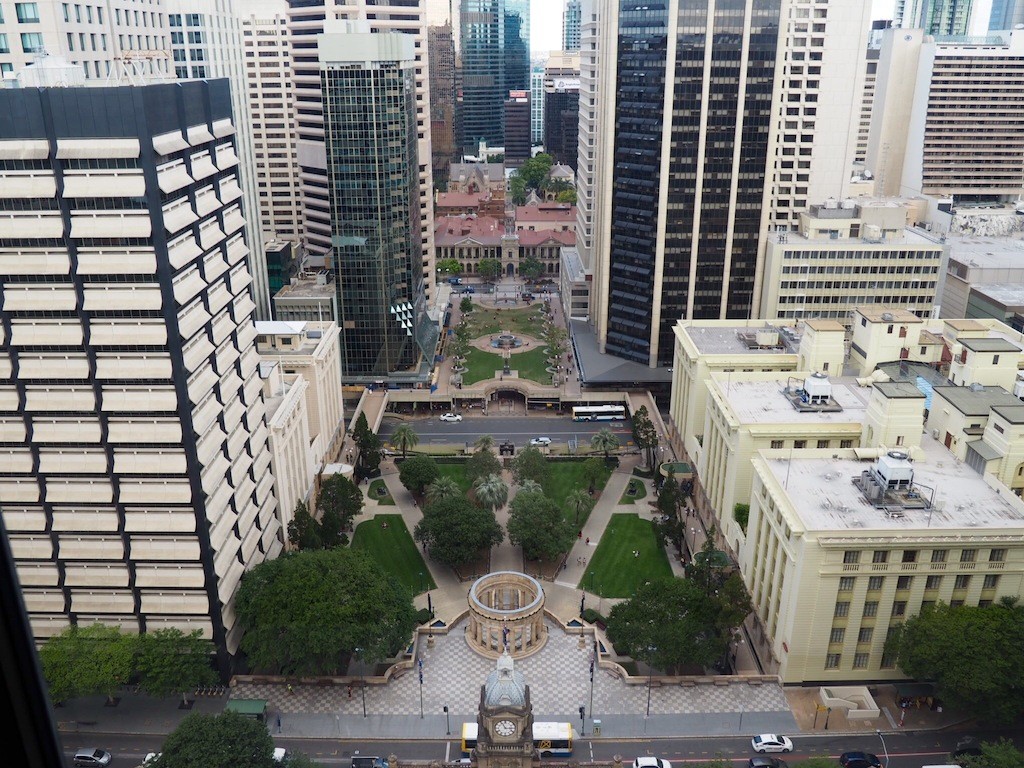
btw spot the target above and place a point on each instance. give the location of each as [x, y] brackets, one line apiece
[832, 660]
[837, 635]
[842, 609]
[864, 636]
[991, 581]
[174, 19]
[888, 660]
[875, 583]
[28, 13]
[195, 37]
[846, 443]
[177, 38]
[777, 443]
[31, 42]
[823, 443]
[939, 555]
[968, 555]
[860, 660]
[997, 556]
[799, 443]
[899, 608]
[845, 583]
[4, 45]
[851, 556]
[933, 582]
[962, 581]
[880, 556]
[64, 7]
[910, 556]
[903, 582]
[870, 608]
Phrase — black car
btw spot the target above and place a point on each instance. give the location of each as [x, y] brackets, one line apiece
[763, 761]
[859, 760]
[968, 746]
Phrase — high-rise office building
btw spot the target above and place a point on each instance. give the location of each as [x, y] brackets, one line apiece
[271, 100]
[136, 489]
[1006, 14]
[106, 38]
[369, 97]
[206, 41]
[517, 128]
[571, 18]
[685, 195]
[306, 20]
[595, 125]
[944, 17]
[444, 148]
[562, 107]
[536, 105]
[495, 51]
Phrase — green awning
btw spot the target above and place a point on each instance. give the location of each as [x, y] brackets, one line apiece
[250, 707]
[909, 690]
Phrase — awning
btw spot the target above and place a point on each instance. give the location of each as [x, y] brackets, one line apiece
[983, 449]
[250, 707]
[910, 690]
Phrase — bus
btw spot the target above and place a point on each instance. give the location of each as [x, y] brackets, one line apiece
[598, 413]
[549, 739]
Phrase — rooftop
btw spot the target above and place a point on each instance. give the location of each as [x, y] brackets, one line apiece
[494, 172]
[279, 327]
[883, 314]
[972, 401]
[989, 344]
[541, 236]
[825, 325]
[1010, 295]
[459, 199]
[730, 340]
[572, 264]
[546, 212]
[988, 252]
[910, 236]
[452, 230]
[306, 288]
[900, 390]
[766, 402]
[822, 493]
[1012, 413]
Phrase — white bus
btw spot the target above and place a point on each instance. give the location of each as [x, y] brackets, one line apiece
[599, 413]
[549, 739]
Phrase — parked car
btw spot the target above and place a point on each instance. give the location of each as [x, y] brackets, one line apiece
[763, 761]
[859, 760]
[455, 281]
[771, 742]
[280, 755]
[367, 761]
[451, 417]
[967, 746]
[92, 757]
[468, 289]
[528, 297]
[651, 762]
[540, 441]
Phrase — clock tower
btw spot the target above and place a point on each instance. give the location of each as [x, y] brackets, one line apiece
[505, 721]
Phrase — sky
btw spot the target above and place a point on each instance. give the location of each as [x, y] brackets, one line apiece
[546, 22]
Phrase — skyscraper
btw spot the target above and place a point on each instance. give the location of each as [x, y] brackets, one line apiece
[684, 195]
[571, 18]
[1006, 14]
[495, 50]
[443, 101]
[941, 17]
[136, 488]
[369, 97]
[517, 128]
[562, 107]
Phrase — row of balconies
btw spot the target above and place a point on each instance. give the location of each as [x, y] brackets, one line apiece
[84, 490]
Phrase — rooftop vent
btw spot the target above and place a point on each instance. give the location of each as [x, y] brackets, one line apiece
[887, 317]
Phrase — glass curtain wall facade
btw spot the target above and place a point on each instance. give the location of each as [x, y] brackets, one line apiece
[572, 17]
[370, 136]
[699, 260]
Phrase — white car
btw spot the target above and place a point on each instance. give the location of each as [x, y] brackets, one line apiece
[537, 441]
[280, 755]
[771, 742]
[451, 417]
[651, 762]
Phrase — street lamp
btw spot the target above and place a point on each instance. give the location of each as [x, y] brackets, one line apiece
[362, 682]
[650, 674]
[884, 748]
[447, 722]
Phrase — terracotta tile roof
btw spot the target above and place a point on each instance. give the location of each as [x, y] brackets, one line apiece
[543, 236]
[459, 199]
[546, 212]
[452, 230]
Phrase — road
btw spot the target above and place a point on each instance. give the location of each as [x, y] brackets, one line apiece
[905, 750]
[561, 429]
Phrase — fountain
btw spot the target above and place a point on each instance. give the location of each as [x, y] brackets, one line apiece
[506, 341]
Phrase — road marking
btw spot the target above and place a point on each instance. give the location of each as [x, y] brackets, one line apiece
[447, 751]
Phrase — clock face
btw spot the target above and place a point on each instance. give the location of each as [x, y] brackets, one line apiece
[504, 727]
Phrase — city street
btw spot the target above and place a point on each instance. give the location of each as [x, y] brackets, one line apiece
[561, 429]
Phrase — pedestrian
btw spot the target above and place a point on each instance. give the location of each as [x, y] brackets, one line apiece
[580, 535]
[350, 690]
[584, 561]
[290, 689]
[588, 541]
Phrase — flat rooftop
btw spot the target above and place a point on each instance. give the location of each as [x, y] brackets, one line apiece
[910, 236]
[989, 344]
[988, 252]
[975, 402]
[1010, 295]
[306, 289]
[883, 314]
[726, 341]
[822, 492]
[763, 402]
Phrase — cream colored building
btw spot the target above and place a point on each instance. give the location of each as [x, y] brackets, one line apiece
[842, 546]
[292, 457]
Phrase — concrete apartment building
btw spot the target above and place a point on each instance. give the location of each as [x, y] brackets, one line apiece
[138, 487]
[309, 296]
[104, 37]
[850, 253]
[596, 39]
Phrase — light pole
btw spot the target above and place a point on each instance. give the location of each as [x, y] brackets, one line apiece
[593, 659]
[420, 665]
[362, 682]
[884, 748]
[447, 722]
[650, 674]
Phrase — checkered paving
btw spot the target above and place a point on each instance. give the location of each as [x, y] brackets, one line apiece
[558, 676]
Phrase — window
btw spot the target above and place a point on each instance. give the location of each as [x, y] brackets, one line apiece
[823, 443]
[864, 636]
[939, 555]
[870, 608]
[837, 635]
[962, 581]
[846, 443]
[899, 608]
[4, 46]
[903, 582]
[31, 42]
[851, 556]
[799, 443]
[910, 556]
[875, 583]
[955, 603]
[933, 582]
[28, 13]
[888, 660]
[860, 660]
[880, 556]
[842, 609]
[832, 660]
[991, 581]
[968, 555]
[997, 556]
[777, 443]
[845, 583]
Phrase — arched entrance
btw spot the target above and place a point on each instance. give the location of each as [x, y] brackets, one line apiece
[507, 402]
[510, 270]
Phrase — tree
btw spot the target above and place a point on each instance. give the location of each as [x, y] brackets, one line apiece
[303, 529]
[304, 613]
[741, 513]
[404, 438]
[449, 267]
[594, 471]
[169, 661]
[530, 268]
[645, 435]
[670, 496]
[443, 487]
[82, 661]
[975, 656]
[556, 341]
[481, 464]
[339, 501]
[530, 486]
[566, 196]
[579, 501]
[530, 463]
[466, 305]
[604, 441]
[454, 531]
[417, 473]
[670, 530]
[490, 491]
[517, 189]
[534, 171]
[369, 447]
[489, 269]
[484, 443]
[227, 740]
[994, 754]
[536, 524]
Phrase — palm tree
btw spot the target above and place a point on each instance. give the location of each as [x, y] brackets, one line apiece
[604, 441]
[530, 486]
[491, 491]
[578, 501]
[404, 438]
[484, 443]
[442, 488]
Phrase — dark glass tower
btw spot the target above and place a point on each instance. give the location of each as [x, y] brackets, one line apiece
[367, 81]
[684, 224]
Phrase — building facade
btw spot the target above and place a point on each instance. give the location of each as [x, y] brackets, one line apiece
[562, 108]
[445, 148]
[138, 488]
[945, 17]
[518, 128]
[572, 17]
[471, 239]
[536, 106]
[369, 98]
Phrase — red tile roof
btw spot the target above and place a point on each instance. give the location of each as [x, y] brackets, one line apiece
[546, 236]
[546, 212]
[452, 230]
[459, 199]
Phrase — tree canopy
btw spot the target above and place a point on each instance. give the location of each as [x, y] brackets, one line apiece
[404, 438]
[304, 529]
[530, 268]
[454, 531]
[530, 463]
[449, 266]
[645, 434]
[605, 441]
[339, 500]
[994, 754]
[536, 524]
[227, 740]
[417, 473]
[169, 661]
[490, 491]
[975, 656]
[488, 268]
[305, 612]
[370, 447]
[87, 660]
[482, 463]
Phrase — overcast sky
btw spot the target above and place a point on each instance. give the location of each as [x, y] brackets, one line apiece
[546, 22]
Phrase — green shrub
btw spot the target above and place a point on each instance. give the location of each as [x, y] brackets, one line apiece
[742, 514]
[423, 616]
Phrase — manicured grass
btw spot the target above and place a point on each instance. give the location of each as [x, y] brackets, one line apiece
[394, 551]
[488, 365]
[614, 571]
[484, 323]
[639, 492]
[457, 472]
[379, 492]
[563, 478]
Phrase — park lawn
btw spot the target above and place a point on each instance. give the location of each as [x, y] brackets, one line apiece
[639, 493]
[379, 492]
[394, 551]
[564, 477]
[488, 365]
[484, 323]
[457, 472]
[614, 571]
